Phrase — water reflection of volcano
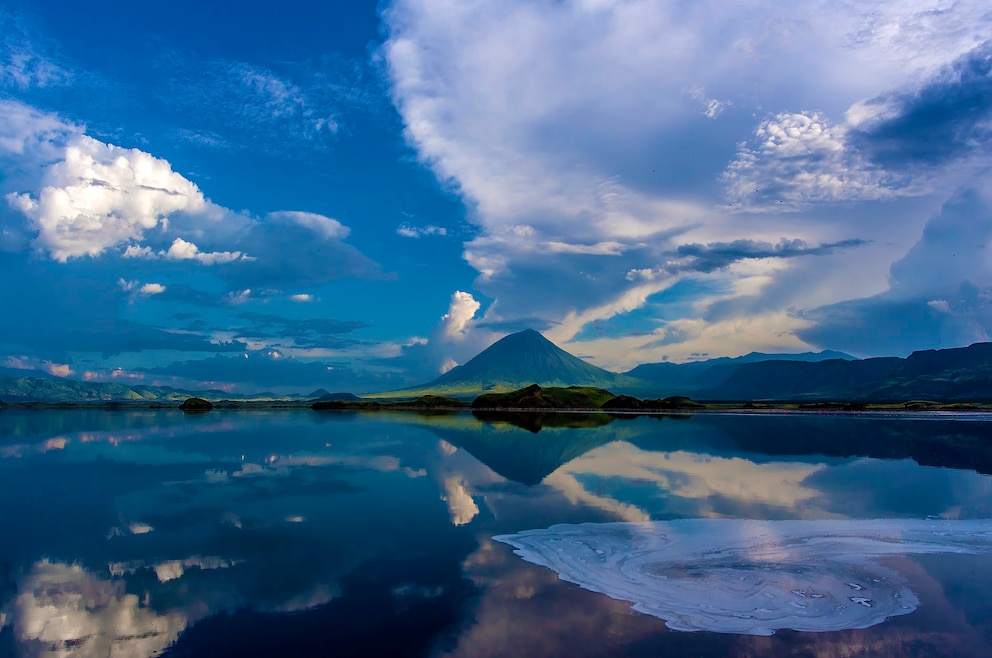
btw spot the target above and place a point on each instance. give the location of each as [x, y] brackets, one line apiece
[524, 447]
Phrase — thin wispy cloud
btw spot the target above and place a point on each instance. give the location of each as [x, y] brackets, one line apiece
[25, 61]
[411, 231]
[287, 109]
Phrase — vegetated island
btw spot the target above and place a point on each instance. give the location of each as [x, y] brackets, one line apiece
[196, 406]
[579, 398]
[533, 397]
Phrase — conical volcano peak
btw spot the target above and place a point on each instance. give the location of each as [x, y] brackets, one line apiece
[520, 359]
[524, 338]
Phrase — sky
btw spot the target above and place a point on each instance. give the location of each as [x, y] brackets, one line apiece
[361, 195]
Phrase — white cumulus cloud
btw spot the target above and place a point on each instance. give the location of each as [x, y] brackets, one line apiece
[73, 196]
[28, 131]
[798, 158]
[138, 288]
[183, 250]
[100, 195]
[152, 289]
[457, 321]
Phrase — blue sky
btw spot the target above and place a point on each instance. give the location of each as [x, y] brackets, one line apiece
[359, 195]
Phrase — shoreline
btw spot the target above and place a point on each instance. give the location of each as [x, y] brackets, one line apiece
[784, 408]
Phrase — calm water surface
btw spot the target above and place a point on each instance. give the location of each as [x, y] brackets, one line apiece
[297, 533]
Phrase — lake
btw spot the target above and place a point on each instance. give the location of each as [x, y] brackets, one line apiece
[301, 533]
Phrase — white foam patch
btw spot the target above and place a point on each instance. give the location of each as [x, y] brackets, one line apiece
[750, 577]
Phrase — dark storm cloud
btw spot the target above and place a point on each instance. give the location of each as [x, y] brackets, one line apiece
[303, 327]
[287, 251]
[946, 119]
[876, 326]
[940, 292]
[184, 294]
[57, 314]
[305, 332]
[717, 255]
[108, 337]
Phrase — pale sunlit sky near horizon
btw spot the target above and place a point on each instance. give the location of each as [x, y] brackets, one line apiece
[357, 195]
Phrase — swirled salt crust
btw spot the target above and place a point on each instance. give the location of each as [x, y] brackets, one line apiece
[746, 576]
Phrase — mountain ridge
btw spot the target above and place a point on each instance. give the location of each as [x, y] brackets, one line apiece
[695, 377]
[525, 358]
[953, 374]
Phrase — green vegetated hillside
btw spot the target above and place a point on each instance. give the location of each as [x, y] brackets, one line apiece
[44, 389]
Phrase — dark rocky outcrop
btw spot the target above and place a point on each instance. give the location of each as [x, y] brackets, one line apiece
[672, 403]
[535, 397]
[196, 405]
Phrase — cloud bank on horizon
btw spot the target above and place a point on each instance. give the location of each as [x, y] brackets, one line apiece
[641, 182]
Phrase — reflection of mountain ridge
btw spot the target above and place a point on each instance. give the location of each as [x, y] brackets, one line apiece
[526, 448]
[959, 444]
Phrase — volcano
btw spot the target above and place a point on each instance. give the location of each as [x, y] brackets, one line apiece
[519, 360]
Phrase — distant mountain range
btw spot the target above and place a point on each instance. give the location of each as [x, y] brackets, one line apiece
[524, 358]
[693, 378]
[527, 357]
[32, 386]
[959, 374]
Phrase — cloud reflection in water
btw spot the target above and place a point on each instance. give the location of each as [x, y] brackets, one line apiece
[64, 610]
